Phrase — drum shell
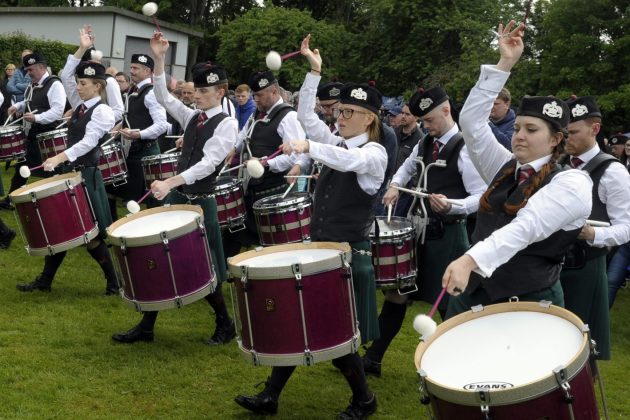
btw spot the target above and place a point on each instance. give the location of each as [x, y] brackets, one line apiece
[149, 281]
[282, 221]
[393, 252]
[112, 164]
[229, 195]
[51, 143]
[52, 205]
[12, 143]
[271, 328]
[539, 398]
[159, 167]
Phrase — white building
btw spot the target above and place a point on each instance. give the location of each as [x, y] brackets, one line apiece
[119, 33]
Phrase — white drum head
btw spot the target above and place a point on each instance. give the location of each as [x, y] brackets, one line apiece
[153, 224]
[287, 258]
[501, 351]
[43, 187]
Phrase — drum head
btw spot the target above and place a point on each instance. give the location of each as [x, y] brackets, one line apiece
[289, 257]
[62, 132]
[153, 223]
[276, 201]
[397, 226]
[10, 129]
[45, 187]
[501, 351]
[226, 182]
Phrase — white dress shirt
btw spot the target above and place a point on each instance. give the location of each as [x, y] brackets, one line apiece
[216, 148]
[564, 203]
[56, 99]
[101, 122]
[473, 183]
[158, 114]
[614, 192]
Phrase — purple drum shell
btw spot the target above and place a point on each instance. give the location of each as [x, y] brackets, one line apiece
[230, 201]
[274, 309]
[12, 144]
[386, 274]
[112, 165]
[159, 167]
[283, 221]
[52, 145]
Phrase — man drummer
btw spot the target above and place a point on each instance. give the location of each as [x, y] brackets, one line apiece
[43, 106]
[144, 122]
[275, 123]
[209, 136]
[446, 237]
[583, 275]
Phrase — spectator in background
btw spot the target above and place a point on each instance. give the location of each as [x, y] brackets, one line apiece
[187, 94]
[245, 105]
[502, 119]
[112, 71]
[8, 70]
[617, 146]
[394, 117]
[20, 81]
[123, 81]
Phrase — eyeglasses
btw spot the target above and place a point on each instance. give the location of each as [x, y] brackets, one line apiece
[329, 106]
[346, 112]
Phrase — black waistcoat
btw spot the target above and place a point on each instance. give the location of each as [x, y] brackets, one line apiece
[265, 141]
[138, 114]
[76, 132]
[192, 152]
[39, 102]
[342, 210]
[533, 268]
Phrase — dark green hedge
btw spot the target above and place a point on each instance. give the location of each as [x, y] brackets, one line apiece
[11, 47]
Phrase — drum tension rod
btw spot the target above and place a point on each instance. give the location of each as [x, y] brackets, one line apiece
[123, 247]
[297, 272]
[244, 278]
[484, 399]
[164, 237]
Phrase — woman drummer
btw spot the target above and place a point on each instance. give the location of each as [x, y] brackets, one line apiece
[208, 137]
[354, 169]
[89, 125]
[532, 211]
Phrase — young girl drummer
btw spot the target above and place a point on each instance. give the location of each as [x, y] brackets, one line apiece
[532, 211]
[89, 125]
[343, 212]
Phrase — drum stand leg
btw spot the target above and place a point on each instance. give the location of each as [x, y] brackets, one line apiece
[425, 399]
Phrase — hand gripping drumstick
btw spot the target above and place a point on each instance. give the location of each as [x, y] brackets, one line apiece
[134, 206]
[425, 324]
[273, 155]
[18, 120]
[25, 171]
[425, 195]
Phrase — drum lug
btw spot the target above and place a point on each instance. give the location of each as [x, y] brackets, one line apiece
[86, 238]
[545, 304]
[297, 272]
[425, 399]
[563, 381]
[308, 358]
[164, 237]
[123, 246]
[484, 400]
[476, 308]
[201, 226]
[34, 200]
[255, 358]
[513, 299]
[70, 188]
[244, 277]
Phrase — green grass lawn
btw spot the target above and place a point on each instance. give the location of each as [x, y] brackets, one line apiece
[57, 359]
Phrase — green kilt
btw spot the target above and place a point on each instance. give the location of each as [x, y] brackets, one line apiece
[211, 223]
[95, 188]
[364, 291]
[433, 258]
[586, 295]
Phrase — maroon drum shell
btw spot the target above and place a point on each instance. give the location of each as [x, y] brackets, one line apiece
[12, 143]
[51, 143]
[396, 244]
[159, 167]
[282, 221]
[112, 164]
[230, 201]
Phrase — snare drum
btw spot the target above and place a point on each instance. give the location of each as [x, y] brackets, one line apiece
[163, 256]
[231, 210]
[295, 303]
[517, 360]
[159, 167]
[55, 214]
[394, 253]
[51, 143]
[112, 164]
[12, 143]
[283, 220]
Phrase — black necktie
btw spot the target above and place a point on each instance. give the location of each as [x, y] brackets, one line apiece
[82, 109]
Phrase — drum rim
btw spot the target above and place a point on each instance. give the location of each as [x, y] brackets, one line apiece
[10, 129]
[303, 196]
[283, 272]
[393, 234]
[22, 196]
[51, 133]
[521, 393]
[162, 158]
[115, 146]
[155, 238]
[232, 182]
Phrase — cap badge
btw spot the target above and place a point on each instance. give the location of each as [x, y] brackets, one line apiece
[579, 110]
[425, 103]
[552, 110]
[262, 83]
[359, 94]
[212, 78]
[142, 59]
[31, 61]
[334, 92]
[89, 71]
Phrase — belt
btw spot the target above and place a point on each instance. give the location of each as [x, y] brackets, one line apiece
[191, 197]
[455, 221]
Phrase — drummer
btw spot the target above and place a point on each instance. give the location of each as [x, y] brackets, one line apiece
[144, 122]
[43, 106]
[347, 188]
[209, 136]
[89, 125]
[532, 211]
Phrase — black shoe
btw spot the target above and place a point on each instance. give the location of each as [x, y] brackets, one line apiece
[223, 334]
[358, 410]
[6, 238]
[111, 291]
[41, 283]
[133, 335]
[259, 404]
[371, 368]
[6, 205]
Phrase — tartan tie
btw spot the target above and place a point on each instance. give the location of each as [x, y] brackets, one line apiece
[576, 161]
[82, 109]
[524, 173]
[261, 116]
[201, 118]
[436, 150]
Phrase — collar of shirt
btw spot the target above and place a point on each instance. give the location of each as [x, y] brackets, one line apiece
[213, 111]
[280, 101]
[589, 154]
[43, 79]
[447, 136]
[536, 164]
[144, 82]
[356, 141]
[91, 102]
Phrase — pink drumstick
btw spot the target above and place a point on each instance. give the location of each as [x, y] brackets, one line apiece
[289, 55]
[144, 196]
[437, 302]
[157, 25]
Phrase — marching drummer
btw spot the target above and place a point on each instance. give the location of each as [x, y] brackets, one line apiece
[208, 138]
[446, 236]
[89, 125]
[347, 188]
[43, 106]
[144, 122]
[275, 123]
[532, 211]
[583, 276]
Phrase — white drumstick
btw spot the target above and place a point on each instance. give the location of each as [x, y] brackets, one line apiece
[597, 223]
[425, 195]
[389, 213]
[288, 189]
[233, 168]
[19, 119]
[118, 131]
[106, 142]
[172, 137]
[64, 122]
[298, 176]
[170, 150]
